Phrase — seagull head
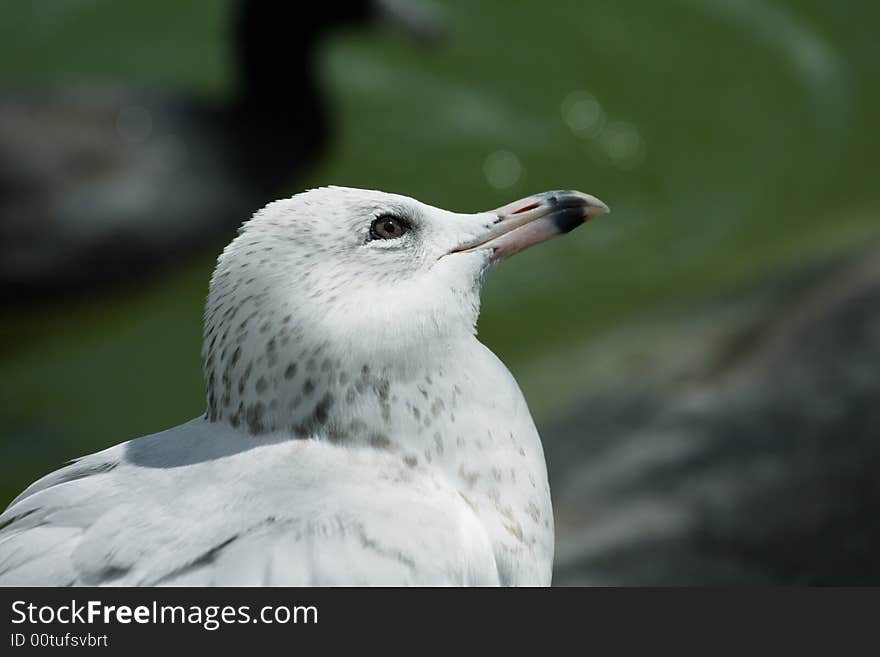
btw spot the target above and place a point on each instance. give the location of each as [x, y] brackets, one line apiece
[318, 286]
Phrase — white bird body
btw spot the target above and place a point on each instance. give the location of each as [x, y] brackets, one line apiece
[344, 443]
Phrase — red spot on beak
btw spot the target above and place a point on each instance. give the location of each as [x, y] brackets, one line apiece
[526, 208]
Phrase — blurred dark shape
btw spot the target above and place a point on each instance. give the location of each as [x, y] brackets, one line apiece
[99, 185]
[763, 473]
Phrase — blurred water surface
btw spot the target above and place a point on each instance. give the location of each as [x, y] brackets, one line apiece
[734, 141]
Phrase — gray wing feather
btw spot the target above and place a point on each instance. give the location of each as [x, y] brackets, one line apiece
[262, 516]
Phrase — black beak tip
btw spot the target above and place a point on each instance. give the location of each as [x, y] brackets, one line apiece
[570, 217]
[570, 209]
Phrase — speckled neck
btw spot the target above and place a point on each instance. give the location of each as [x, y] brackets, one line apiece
[264, 375]
[312, 333]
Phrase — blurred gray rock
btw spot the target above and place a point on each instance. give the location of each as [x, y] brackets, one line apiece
[758, 465]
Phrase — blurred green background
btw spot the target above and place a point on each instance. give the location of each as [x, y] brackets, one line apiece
[734, 141]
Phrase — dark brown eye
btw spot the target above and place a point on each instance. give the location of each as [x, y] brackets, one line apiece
[388, 227]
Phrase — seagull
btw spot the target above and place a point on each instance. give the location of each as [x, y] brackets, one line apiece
[356, 431]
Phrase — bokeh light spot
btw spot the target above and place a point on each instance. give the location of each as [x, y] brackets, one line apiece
[583, 114]
[623, 144]
[502, 169]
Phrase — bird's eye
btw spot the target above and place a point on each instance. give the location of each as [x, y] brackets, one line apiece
[388, 227]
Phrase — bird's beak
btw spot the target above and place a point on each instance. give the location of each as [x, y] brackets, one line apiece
[533, 220]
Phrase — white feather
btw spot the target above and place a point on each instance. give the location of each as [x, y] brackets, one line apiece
[357, 432]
